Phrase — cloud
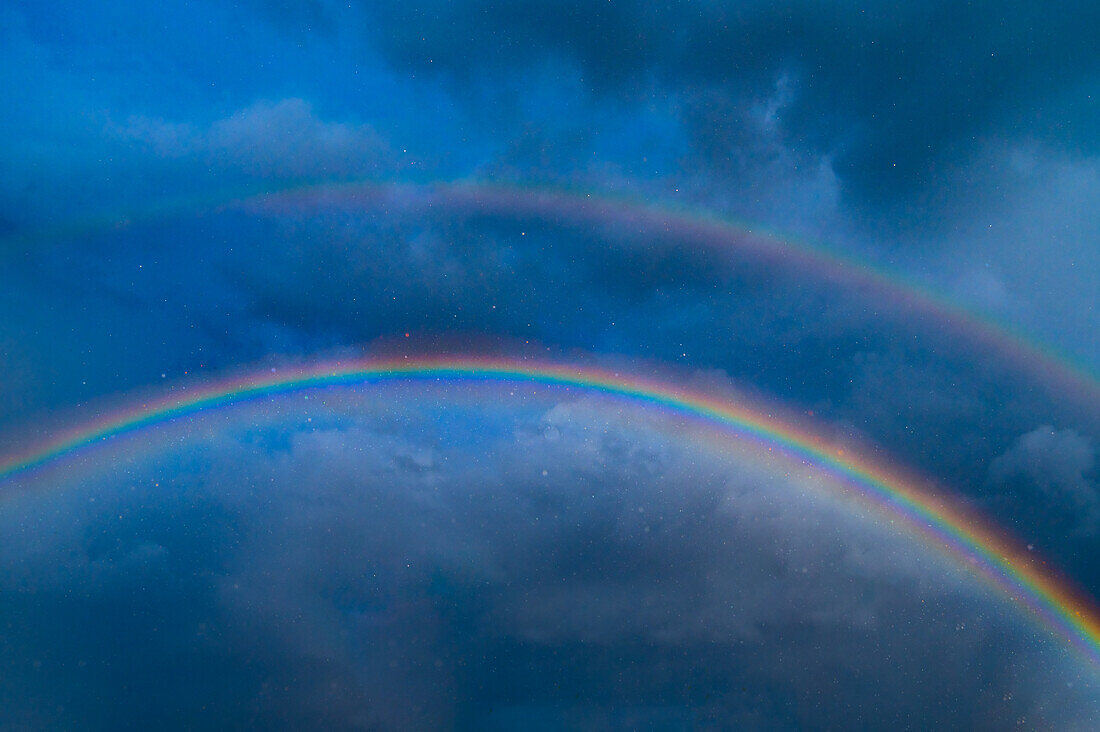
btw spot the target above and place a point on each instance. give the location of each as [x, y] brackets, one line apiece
[1027, 253]
[1058, 465]
[282, 139]
[343, 271]
[484, 564]
[898, 97]
[955, 145]
[356, 268]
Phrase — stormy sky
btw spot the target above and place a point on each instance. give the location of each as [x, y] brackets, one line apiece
[194, 189]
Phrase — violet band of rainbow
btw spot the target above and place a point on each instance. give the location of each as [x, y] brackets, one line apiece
[941, 524]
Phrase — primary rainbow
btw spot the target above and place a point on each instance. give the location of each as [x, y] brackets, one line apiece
[939, 522]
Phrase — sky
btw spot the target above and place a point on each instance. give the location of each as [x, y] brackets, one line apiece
[877, 219]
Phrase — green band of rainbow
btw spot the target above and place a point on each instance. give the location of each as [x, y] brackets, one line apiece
[940, 523]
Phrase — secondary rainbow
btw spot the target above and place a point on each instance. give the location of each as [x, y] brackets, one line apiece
[941, 523]
[689, 226]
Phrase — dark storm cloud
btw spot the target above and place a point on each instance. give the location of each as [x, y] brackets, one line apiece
[900, 96]
[378, 569]
[1060, 464]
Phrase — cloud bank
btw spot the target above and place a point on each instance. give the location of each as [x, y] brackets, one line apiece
[411, 558]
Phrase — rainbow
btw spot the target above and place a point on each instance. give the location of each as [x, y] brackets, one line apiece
[940, 523]
[688, 227]
[692, 229]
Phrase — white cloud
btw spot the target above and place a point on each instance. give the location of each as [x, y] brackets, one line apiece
[283, 138]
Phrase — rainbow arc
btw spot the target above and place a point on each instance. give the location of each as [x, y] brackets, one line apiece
[941, 524]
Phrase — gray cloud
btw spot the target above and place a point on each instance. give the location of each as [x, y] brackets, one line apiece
[1058, 465]
[484, 566]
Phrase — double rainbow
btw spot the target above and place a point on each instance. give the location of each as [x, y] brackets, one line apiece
[940, 523]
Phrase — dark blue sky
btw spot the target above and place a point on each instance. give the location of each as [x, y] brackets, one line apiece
[953, 145]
